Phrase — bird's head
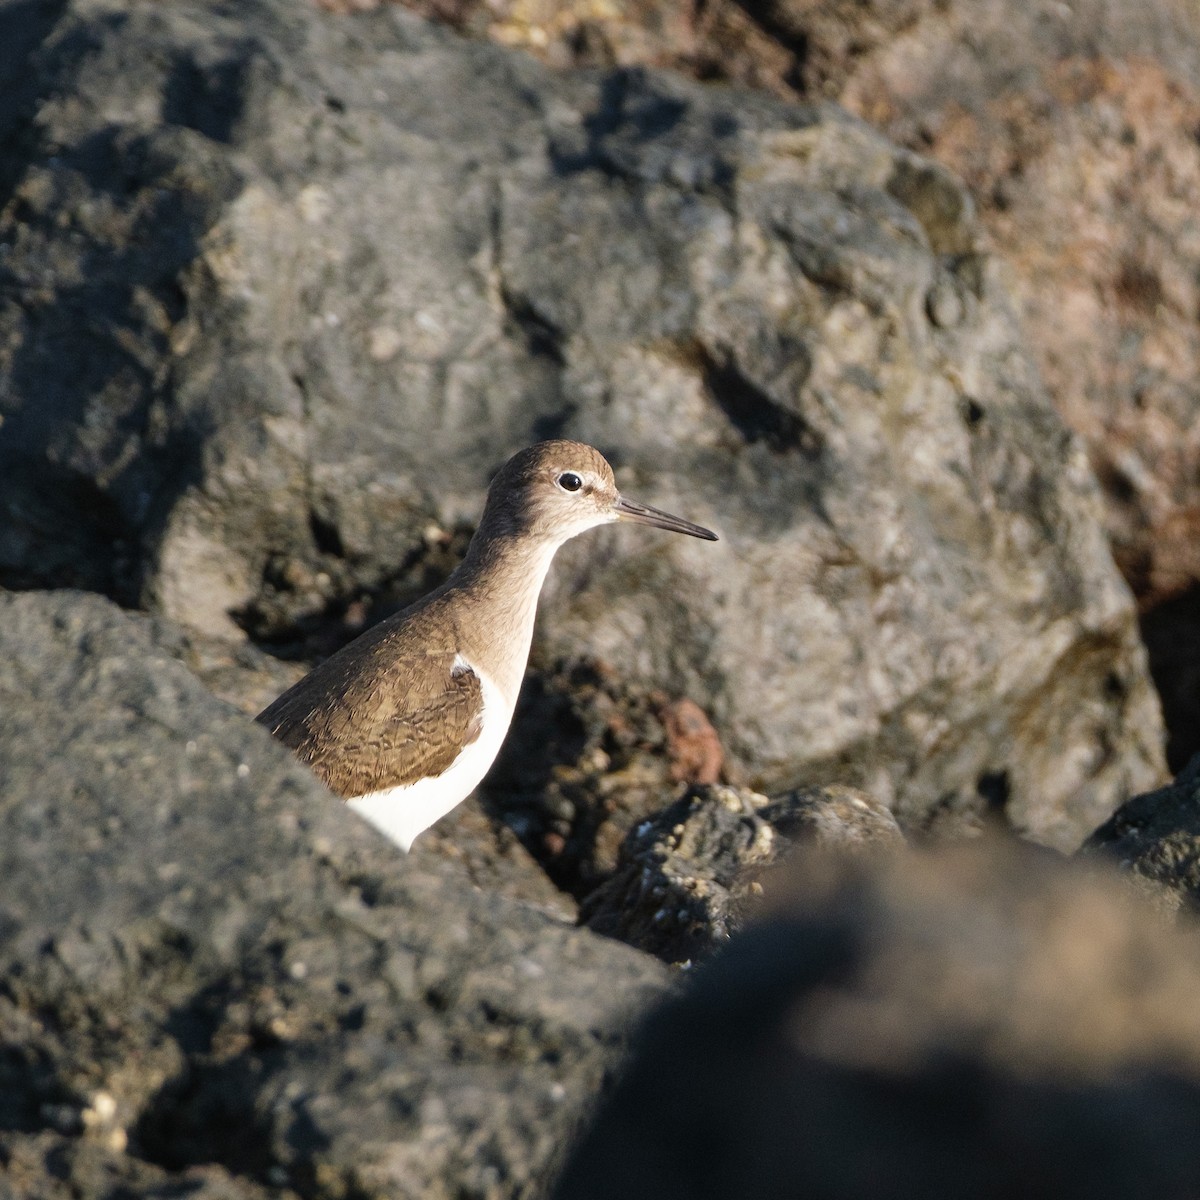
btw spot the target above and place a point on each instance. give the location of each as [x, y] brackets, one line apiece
[558, 489]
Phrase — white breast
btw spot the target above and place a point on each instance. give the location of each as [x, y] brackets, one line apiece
[403, 812]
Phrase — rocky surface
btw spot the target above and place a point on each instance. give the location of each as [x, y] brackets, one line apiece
[591, 755]
[281, 284]
[1074, 128]
[1156, 839]
[988, 1022]
[215, 980]
[689, 877]
[284, 285]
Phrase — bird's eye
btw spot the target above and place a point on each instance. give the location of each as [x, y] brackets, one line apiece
[569, 481]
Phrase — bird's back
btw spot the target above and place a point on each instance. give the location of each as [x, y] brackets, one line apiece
[394, 706]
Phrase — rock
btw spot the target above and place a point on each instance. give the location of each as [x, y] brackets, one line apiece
[688, 877]
[835, 818]
[217, 978]
[1156, 838]
[985, 1022]
[590, 756]
[323, 273]
[492, 857]
[1073, 127]
[693, 745]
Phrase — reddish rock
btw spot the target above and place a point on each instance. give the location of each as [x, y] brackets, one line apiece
[692, 743]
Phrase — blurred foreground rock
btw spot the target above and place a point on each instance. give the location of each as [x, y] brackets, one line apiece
[987, 1022]
[282, 287]
[216, 981]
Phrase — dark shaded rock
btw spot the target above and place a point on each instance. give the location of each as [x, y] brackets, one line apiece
[213, 975]
[1171, 631]
[1156, 838]
[283, 287]
[688, 877]
[681, 884]
[493, 858]
[589, 756]
[989, 1022]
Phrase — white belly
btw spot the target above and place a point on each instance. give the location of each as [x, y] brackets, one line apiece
[403, 812]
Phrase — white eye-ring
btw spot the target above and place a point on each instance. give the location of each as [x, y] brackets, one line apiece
[569, 481]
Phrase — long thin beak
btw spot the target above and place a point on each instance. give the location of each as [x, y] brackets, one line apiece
[643, 514]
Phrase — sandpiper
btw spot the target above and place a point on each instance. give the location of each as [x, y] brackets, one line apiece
[404, 722]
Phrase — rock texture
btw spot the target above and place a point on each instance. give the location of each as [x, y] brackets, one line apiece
[1074, 128]
[1156, 838]
[984, 1023]
[591, 755]
[689, 877]
[214, 980]
[283, 286]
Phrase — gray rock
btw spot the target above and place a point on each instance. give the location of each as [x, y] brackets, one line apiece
[1156, 838]
[283, 286]
[688, 878]
[985, 1023]
[215, 976]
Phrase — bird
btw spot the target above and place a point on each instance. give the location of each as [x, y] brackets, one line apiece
[404, 721]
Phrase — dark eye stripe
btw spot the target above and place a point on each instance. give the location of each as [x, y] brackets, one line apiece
[569, 481]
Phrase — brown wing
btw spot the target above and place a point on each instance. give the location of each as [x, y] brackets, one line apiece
[384, 720]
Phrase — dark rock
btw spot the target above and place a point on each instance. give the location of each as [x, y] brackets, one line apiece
[493, 858]
[983, 1023]
[591, 755]
[215, 977]
[282, 287]
[688, 877]
[1156, 838]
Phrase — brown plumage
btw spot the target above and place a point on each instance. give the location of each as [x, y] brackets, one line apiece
[384, 717]
[397, 708]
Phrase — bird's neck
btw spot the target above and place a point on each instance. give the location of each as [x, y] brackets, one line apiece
[499, 582]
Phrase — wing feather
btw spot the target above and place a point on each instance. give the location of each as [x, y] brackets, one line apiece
[366, 726]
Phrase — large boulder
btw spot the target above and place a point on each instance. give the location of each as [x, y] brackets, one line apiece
[987, 1022]
[215, 977]
[282, 287]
